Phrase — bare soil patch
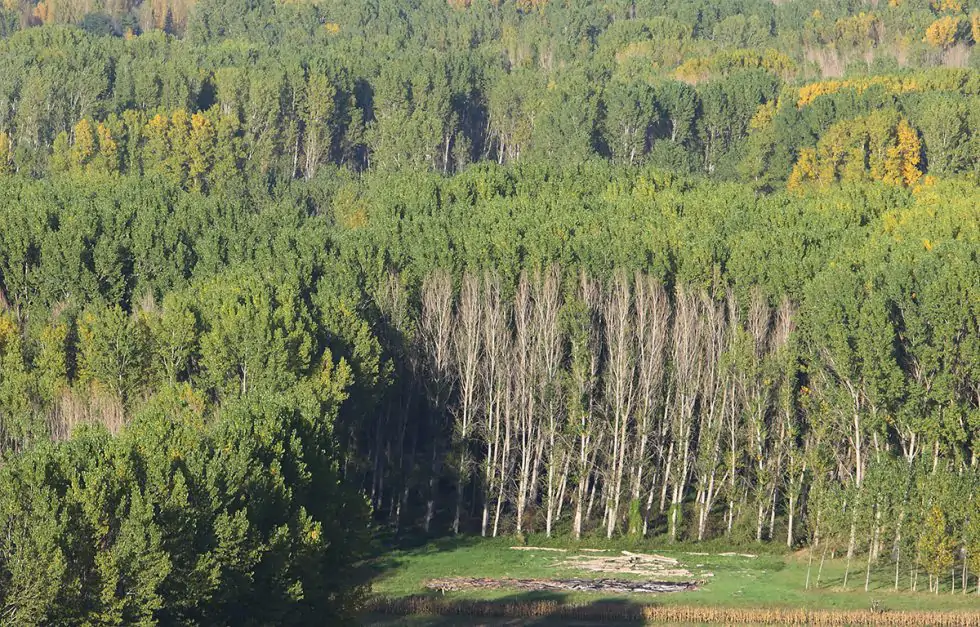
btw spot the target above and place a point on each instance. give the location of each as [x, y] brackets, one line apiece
[618, 586]
[628, 563]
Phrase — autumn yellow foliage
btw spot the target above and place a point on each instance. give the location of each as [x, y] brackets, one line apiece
[200, 149]
[947, 6]
[633, 50]
[906, 155]
[108, 148]
[943, 32]
[8, 329]
[350, 210]
[701, 68]
[43, 12]
[858, 30]
[158, 123]
[527, 6]
[881, 146]
[6, 153]
[83, 146]
[810, 92]
[804, 170]
[764, 115]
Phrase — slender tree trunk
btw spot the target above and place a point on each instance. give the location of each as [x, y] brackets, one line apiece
[649, 507]
[898, 561]
[580, 488]
[706, 506]
[550, 504]
[592, 491]
[566, 462]
[430, 504]
[867, 572]
[758, 521]
[663, 488]
[809, 565]
[823, 556]
[772, 512]
[496, 513]
[524, 388]
[789, 523]
[532, 493]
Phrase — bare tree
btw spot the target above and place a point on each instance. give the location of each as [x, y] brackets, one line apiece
[652, 332]
[688, 366]
[620, 388]
[714, 397]
[523, 382]
[549, 347]
[468, 352]
[755, 388]
[496, 342]
[585, 340]
[732, 412]
[790, 431]
[436, 329]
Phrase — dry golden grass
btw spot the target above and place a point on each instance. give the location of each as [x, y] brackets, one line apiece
[74, 408]
[613, 611]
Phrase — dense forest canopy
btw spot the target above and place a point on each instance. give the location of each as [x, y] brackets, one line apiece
[273, 273]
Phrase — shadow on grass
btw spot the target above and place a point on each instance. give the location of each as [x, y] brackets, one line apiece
[389, 551]
[542, 608]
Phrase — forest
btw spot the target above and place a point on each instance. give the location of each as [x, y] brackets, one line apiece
[280, 277]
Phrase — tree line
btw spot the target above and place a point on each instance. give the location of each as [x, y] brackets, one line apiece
[284, 108]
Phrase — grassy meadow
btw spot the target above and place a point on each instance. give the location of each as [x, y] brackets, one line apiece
[749, 577]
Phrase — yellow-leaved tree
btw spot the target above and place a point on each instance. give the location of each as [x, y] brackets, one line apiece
[6, 154]
[936, 546]
[906, 154]
[881, 146]
[108, 157]
[943, 32]
[83, 147]
[947, 6]
[804, 170]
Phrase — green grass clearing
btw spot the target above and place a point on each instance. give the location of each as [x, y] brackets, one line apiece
[767, 580]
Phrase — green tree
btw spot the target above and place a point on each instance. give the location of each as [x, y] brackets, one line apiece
[936, 545]
[112, 348]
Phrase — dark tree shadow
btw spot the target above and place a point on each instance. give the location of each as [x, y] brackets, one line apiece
[388, 552]
[526, 609]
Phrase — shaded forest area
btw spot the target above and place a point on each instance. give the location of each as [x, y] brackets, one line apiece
[273, 273]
